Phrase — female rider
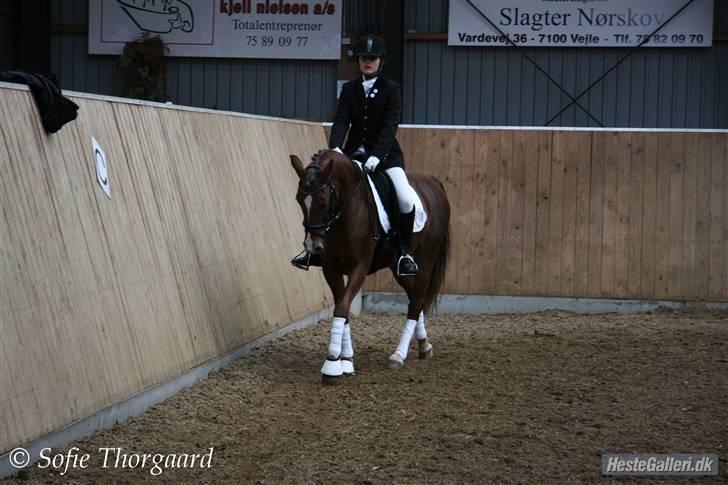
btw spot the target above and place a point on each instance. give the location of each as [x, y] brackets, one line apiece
[369, 109]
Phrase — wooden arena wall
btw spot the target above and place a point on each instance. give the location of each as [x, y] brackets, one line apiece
[615, 214]
[103, 298]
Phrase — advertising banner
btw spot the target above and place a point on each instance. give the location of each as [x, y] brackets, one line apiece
[264, 29]
[581, 23]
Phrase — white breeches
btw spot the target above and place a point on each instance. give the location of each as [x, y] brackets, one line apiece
[405, 192]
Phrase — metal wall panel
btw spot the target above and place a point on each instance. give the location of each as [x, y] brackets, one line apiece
[721, 17]
[676, 88]
[286, 88]
[291, 89]
[654, 87]
[363, 17]
[426, 15]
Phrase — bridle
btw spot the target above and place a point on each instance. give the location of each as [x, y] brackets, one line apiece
[333, 216]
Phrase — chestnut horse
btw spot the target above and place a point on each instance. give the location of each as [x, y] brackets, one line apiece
[340, 222]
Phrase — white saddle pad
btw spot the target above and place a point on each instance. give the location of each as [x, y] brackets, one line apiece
[420, 214]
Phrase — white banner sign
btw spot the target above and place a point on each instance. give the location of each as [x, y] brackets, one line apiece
[264, 29]
[580, 23]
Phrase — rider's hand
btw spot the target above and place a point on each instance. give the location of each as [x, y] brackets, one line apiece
[337, 149]
[371, 164]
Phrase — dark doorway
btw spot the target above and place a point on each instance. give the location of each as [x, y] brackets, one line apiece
[8, 35]
[25, 35]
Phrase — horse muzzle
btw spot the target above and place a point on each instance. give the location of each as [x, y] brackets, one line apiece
[314, 243]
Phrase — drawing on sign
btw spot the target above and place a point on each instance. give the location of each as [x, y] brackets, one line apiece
[159, 16]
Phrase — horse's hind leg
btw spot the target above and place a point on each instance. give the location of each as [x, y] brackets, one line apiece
[423, 345]
[416, 288]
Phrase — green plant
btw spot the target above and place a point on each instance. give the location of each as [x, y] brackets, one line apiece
[143, 67]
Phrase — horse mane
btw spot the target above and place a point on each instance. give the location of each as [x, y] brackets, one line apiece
[323, 157]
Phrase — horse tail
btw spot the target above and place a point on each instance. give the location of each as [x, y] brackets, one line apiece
[438, 271]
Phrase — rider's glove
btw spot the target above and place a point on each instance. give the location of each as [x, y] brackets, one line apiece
[337, 149]
[372, 163]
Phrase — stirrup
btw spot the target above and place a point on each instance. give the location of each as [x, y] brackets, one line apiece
[302, 260]
[406, 260]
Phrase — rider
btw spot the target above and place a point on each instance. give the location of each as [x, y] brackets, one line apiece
[369, 109]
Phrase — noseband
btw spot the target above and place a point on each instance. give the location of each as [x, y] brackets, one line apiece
[333, 215]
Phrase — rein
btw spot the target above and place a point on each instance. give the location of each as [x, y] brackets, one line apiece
[333, 216]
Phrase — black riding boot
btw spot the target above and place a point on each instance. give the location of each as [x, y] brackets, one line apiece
[306, 259]
[406, 265]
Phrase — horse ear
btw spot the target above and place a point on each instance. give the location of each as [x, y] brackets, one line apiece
[297, 165]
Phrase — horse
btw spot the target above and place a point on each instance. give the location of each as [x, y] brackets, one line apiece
[339, 223]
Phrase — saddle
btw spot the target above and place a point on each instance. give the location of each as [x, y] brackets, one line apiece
[388, 196]
[387, 247]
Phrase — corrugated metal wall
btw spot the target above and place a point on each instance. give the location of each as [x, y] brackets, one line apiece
[655, 87]
[291, 89]
[364, 16]
[671, 88]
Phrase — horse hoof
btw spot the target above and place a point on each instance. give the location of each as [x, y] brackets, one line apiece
[427, 353]
[395, 361]
[347, 367]
[330, 380]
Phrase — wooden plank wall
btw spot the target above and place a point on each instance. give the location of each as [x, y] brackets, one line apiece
[103, 298]
[603, 214]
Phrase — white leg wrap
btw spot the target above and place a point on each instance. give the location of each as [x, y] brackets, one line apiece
[347, 348]
[406, 338]
[337, 331]
[420, 331]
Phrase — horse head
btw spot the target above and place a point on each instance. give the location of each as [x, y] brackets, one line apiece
[317, 197]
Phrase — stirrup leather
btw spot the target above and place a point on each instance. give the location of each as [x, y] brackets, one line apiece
[302, 260]
[403, 261]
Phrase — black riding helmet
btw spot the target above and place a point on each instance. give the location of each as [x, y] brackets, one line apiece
[369, 45]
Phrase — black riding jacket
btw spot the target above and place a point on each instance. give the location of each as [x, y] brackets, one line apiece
[370, 121]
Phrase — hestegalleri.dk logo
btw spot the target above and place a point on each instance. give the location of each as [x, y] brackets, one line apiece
[660, 464]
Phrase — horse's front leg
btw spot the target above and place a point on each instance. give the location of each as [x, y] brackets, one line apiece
[340, 358]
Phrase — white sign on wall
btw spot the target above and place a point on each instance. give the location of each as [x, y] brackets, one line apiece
[102, 173]
[581, 23]
[267, 29]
